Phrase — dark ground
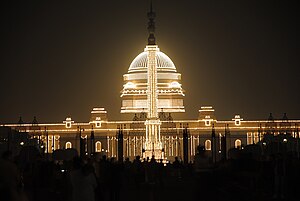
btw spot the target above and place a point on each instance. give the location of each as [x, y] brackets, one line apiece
[236, 179]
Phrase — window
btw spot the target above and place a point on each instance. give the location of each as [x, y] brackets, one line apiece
[207, 145]
[68, 122]
[238, 144]
[207, 122]
[98, 146]
[68, 145]
[98, 124]
[237, 120]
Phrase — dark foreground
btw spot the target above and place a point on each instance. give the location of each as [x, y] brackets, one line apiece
[90, 179]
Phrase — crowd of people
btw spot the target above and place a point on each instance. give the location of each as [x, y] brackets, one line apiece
[83, 178]
[100, 178]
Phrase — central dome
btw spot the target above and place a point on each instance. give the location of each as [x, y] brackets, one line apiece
[169, 89]
[164, 63]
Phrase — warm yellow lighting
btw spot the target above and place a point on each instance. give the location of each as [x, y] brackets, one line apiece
[152, 144]
[68, 122]
[135, 89]
[207, 145]
[175, 85]
[97, 122]
[68, 145]
[206, 109]
[207, 122]
[98, 146]
[163, 62]
[98, 110]
[238, 143]
[129, 85]
[237, 120]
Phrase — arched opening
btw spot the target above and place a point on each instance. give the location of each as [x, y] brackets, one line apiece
[238, 144]
[207, 145]
[68, 145]
[98, 146]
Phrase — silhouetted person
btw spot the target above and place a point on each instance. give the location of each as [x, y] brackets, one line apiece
[83, 182]
[127, 169]
[177, 168]
[160, 174]
[137, 168]
[201, 163]
[279, 177]
[104, 176]
[151, 170]
[203, 173]
[9, 179]
[115, 179]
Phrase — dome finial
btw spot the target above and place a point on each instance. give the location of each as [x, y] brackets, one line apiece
[151, 26]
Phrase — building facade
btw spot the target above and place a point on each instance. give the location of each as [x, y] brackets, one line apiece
[153, 105]
[101, 135]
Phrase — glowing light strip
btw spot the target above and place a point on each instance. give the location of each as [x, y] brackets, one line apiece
[100, 112]
[129, 122]
[99, 108]
[206, 107]
[207, 110]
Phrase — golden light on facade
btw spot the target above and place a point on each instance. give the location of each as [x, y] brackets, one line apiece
[153, 145]
[237, 120]
[129, 85]
[169, 90]
[68, 122]
[153, 86]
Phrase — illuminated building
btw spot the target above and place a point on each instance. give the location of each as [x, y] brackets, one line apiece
[152, 145]
[67, 134]
[152, 92]
[166, 80]
[170, 92]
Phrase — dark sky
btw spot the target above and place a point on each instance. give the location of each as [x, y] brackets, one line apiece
[62, 58]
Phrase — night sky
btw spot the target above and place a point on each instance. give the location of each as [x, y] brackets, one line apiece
[62, 58]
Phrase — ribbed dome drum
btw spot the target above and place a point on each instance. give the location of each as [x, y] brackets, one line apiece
[134, 92]
[164, 63]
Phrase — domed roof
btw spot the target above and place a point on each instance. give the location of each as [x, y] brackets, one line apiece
[164, 63]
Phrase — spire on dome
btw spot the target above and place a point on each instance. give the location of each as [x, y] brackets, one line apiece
[151, 26]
